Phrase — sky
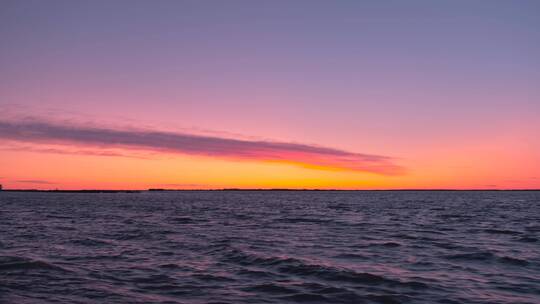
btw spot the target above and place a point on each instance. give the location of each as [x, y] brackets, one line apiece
[270, 94]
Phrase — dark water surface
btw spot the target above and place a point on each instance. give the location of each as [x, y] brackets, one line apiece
[270, 247]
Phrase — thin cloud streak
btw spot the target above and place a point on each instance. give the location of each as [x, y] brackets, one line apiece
[65, 150]
[311, 156]
[35, 181]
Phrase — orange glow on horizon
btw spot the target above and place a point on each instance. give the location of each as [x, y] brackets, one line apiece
[50, 170]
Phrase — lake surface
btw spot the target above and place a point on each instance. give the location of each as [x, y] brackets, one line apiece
[270, 247]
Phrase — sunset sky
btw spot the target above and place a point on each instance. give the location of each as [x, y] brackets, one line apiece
[269, 94]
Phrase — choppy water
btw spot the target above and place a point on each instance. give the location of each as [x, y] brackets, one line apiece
[270, 247]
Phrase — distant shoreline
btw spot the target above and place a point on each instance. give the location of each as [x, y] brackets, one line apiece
[248, 190]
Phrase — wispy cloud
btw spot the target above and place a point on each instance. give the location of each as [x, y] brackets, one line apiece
[65, 150]
[34, 181]
[312, 156]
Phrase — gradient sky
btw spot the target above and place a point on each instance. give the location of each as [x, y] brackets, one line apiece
[264, 94]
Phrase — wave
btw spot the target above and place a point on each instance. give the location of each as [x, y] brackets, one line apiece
[271, 288]
[295, 220]
[90, 242]
[473, 256]
[502, 231]
[487, 257]
[351, 256]
[307, 298]
[513, 261]
[527, 239]
[380, 244]
[298, 267]
[12, 263]
[183, 220]
[346, 275]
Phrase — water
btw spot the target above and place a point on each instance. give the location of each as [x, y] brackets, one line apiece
[270, 247]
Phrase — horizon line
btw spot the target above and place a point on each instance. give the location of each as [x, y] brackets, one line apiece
[253, 189]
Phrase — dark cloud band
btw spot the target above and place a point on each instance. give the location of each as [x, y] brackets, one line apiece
[212, 146]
